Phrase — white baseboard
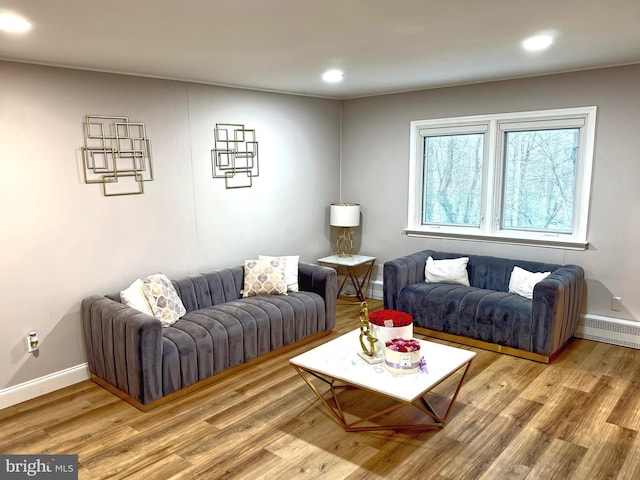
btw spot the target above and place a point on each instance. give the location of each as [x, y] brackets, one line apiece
[375, 290]
[616, 331]
[40, 386]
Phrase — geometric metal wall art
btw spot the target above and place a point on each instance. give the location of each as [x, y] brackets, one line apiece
[116, 154]
[235, 155]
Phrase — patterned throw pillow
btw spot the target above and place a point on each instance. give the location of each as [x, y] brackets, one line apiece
[290, 269]
[163, 298]
[264, 277]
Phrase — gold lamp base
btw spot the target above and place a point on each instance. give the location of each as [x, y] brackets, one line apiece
[344, 244]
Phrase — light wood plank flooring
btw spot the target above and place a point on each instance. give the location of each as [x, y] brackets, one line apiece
[514, 419]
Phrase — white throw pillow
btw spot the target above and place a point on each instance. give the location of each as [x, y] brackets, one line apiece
[134, 296]
[290, 269]
[522, 281]
[452, 270]
[167, 306]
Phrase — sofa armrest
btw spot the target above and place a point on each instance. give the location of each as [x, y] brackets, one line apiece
[323, 281]
[124, 347]
[401, 272]
[556, 308]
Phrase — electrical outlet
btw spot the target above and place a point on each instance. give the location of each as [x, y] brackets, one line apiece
[616, 304]
[32, 341]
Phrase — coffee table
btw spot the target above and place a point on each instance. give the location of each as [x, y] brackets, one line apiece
[336, 364]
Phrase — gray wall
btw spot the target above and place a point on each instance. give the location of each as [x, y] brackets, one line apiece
[62, 240]
[376, 168]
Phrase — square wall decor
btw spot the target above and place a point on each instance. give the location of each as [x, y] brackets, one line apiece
[116, 154]
[235, 155]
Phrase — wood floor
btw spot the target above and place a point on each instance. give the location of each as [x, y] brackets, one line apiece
[514, 419]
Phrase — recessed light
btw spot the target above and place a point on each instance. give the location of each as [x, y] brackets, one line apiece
[539, 42]
[332, 76]
[13, 23]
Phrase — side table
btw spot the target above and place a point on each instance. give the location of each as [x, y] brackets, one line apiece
[351, 264]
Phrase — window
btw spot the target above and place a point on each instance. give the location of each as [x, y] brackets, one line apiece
[521, 178]
[453, 179]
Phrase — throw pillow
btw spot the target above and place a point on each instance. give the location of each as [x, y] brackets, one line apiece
[163, 298]
[452, 270]
[264, 277]
[134, 296]
[522, 281]
[290, 270]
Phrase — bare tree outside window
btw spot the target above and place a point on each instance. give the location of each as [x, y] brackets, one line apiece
[453, 179]
[540, 179]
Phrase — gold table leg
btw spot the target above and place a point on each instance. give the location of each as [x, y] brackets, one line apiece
[358, 285]
[423, 405]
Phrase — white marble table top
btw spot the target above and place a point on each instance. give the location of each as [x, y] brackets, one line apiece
[352, 261]
[339, 359]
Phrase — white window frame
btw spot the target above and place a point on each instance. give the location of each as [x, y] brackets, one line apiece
[495, 126]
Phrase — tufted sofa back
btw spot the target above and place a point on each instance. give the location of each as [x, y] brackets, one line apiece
[491, 273]
[207, 289]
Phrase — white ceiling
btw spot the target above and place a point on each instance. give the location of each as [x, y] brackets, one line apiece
[285, 45]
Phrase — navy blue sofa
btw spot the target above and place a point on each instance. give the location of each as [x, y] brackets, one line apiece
[133, 356]
[485, 314]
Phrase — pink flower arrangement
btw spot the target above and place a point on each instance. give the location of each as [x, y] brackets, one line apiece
[403, 345]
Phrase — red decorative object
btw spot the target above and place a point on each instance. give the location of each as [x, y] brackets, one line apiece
[403, 345]
[400, 319]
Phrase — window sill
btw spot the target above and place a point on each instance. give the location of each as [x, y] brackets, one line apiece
[549, 243]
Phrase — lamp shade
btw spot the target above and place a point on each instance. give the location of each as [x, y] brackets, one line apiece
[345, 214]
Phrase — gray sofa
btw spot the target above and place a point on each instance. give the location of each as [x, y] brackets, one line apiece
[132, 355]
[485, 314]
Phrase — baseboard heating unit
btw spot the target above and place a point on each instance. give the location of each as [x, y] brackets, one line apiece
[616, 331]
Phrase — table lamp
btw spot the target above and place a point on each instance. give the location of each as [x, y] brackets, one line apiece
[345, 216]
